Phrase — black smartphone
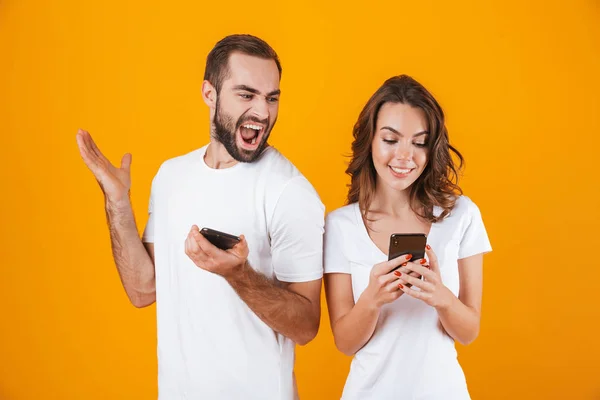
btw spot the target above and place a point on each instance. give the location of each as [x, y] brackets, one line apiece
[222, 240]
[407, 243]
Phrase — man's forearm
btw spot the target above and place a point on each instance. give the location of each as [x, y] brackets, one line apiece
[284, 311]
[135, 266]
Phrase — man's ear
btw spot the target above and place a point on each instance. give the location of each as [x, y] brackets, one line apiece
[209, 94]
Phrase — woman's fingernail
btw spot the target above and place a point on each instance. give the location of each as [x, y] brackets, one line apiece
[428, 247]
[405, 264]
[408, 257]
[400, 286]
[423, 261]
[397, 273]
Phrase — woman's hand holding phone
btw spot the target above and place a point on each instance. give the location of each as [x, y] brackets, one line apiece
[384, 282]
[432, 290]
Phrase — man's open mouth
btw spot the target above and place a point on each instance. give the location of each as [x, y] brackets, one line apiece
[251, 134]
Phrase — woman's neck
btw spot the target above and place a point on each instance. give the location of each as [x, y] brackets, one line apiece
[391, 202]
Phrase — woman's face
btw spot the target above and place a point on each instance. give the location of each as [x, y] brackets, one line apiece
[399, 146]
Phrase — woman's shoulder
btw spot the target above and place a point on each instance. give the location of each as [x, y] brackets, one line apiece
[342, 215]
[465, 207]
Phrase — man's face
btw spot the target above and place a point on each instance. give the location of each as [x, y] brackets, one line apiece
[247, 106]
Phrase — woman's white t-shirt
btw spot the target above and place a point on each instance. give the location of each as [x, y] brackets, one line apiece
[409, 355]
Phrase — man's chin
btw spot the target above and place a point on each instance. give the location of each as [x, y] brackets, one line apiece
[247, 156]
[249, 152]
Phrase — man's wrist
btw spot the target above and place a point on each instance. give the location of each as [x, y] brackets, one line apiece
[237, 273]
[117, 205]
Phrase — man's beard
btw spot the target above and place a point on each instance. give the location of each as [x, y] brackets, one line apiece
[225, 132]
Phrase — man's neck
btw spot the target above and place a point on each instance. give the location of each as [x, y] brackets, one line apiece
[217, 157]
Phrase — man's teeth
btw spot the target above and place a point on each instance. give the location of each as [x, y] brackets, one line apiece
[401, 170]
[256, 128]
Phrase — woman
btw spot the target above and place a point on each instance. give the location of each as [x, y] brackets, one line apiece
[401, 324]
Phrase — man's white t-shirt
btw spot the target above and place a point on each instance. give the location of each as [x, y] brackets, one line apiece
[211, 345]
[409, 355]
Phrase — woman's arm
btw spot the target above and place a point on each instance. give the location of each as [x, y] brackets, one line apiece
[459, 316]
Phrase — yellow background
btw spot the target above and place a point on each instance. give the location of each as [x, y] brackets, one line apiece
[519, 83]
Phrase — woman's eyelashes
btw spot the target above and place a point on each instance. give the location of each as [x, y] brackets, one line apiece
[394, 141]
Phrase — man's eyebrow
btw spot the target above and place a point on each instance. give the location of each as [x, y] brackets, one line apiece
[247, 88]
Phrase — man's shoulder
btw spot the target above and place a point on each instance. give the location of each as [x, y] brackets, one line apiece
[178, 165]
[184, 160]
[278, 171]
[283, 182]
[273, 161]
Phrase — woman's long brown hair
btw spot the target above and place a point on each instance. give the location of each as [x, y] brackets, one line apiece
[438, 184]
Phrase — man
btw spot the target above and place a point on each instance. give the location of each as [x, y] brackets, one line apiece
[227, 320]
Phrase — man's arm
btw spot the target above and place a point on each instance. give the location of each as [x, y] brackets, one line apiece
[134, 260]
[293, 310]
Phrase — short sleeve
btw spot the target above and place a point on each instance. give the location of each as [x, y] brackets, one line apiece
[475, 239]
[148, 235]
[334, 256]
[297, 233]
